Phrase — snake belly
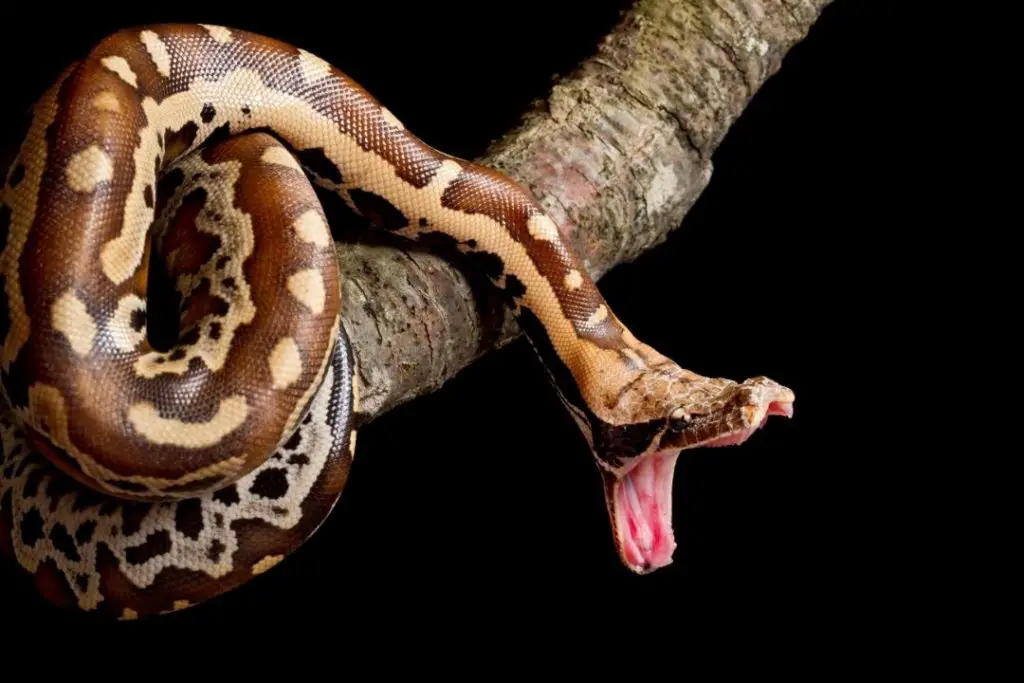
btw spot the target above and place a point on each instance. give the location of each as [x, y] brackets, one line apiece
[140, 479]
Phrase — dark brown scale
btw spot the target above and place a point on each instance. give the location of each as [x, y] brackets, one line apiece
[227, 495]
[32, 482]
[133, 515]
[514, 287]
[53, 585]
[379, 211]
[219, 135]
[86, 498]
[270, 483]
[17, 175]
[31, 527]
[215, 550]
[316, 161]
[295, 441]
[156, 544]
[57, 487]
[180, 141]
[64, 542]
[84, 533]
[188, 518]
[5, 226]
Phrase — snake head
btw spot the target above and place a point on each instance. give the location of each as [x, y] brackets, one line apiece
[638, 460]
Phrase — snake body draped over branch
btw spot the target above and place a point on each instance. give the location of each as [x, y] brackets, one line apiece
[141, 477]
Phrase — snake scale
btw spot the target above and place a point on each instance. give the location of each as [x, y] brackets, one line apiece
[141, 478]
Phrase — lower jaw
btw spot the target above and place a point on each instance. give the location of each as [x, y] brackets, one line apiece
[641, 508]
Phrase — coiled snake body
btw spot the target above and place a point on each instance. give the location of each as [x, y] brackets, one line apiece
[140, 479]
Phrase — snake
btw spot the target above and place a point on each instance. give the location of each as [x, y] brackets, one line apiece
[152, 461]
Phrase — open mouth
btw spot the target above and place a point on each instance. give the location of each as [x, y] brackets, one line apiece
[641, 501]
[642, 512]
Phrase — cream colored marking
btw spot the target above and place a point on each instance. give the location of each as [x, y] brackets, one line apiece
[157, 51]
[266, 564]
[285, 363]
[119, 65]
[310, 227]
[313, 68]
[181, 604]
[448, 172]
[573, 279]
[391, 119]
[125, 337]
[356, 397]
[129, 614]
[355, 408]
[598, 316]
[46, 405]
[680, 414]
[107, 101]
[145, 418]
[543, 228]
[89, 168]
[218, 33]
[71, 318]
[308, 287]
[281, 157]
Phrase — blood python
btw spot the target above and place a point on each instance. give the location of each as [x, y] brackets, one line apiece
[141, 477]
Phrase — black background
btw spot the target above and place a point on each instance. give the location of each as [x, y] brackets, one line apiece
[480, 503]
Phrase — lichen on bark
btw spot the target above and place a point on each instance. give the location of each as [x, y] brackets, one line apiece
[617, 152]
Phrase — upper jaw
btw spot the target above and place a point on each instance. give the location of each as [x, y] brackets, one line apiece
[740, 411]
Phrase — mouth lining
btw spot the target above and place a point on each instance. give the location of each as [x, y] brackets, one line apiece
[641, 500]
[642, 511]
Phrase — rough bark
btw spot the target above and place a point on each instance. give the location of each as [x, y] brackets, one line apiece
[617, 153]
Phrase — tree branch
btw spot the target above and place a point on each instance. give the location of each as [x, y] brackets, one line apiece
[617, 153]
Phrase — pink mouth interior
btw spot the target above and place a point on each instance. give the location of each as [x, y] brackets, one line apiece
[643, 500]
[643, 511]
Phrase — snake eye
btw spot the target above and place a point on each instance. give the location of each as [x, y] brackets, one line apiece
[678, 419]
